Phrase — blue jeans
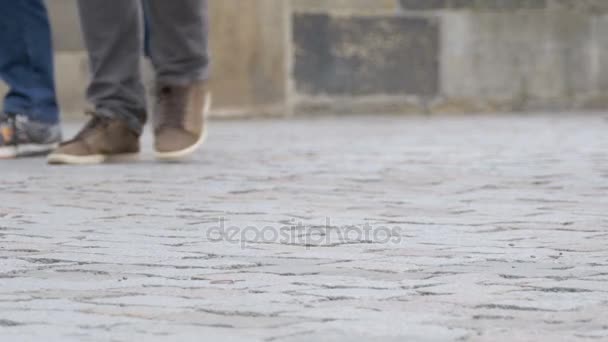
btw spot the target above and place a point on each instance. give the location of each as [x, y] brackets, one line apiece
[26, 60]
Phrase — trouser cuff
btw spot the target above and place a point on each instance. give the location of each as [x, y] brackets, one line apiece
[134, 123]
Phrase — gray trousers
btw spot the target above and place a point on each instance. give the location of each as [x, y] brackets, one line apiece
[114, 36]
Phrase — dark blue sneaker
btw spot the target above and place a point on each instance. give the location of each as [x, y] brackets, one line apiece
[20, 137]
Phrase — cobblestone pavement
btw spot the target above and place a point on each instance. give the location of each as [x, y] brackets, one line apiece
[365, 228]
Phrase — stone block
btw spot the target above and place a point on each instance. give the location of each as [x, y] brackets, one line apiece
[365, 55]
[72, 68]
[599, 59]
[473, 4]
[353, 6]
[424, 4]
[250, 56]
[65, 24]
[498, 4]
[519, 57]
[587, 6]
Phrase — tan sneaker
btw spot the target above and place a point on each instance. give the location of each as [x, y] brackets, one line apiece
[101, 140]
[179, 128]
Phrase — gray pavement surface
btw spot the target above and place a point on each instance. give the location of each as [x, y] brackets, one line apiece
[365, 228]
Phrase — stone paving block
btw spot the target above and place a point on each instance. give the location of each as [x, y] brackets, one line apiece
[499, 234]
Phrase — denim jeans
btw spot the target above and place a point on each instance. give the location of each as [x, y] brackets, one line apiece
[26, 60]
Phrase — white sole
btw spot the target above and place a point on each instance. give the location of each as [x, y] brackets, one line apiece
[68, 159]
[34, 149]
[8, 152]
[181, 154]
[26, 150]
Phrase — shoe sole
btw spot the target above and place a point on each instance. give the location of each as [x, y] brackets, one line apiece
[68, 159]
[28, 150]
[181, 154]
[8, 152]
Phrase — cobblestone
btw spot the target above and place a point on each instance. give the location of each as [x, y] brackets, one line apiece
[378, 228]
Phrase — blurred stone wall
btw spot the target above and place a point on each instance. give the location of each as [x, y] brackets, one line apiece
[450, 55]
[277, 57]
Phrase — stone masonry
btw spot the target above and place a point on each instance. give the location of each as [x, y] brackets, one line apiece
[450, 55]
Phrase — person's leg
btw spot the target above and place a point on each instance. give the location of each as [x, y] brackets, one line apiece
[113, 35]
[30, 123]
[178, 40]
[146, 30]
[178, 51]
[26, 61]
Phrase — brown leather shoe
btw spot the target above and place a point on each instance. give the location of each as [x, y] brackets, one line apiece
[179, 128]
[101, 140]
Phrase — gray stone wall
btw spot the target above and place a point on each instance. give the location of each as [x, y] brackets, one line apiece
[276, 57]
[472, 55]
